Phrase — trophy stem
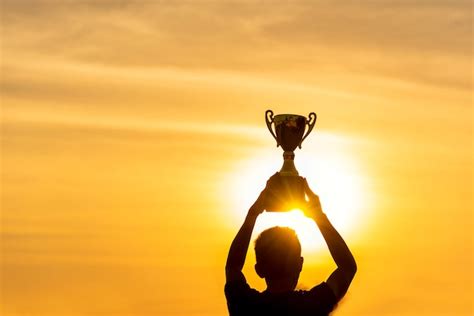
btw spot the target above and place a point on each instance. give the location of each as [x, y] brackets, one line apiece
[288, 168]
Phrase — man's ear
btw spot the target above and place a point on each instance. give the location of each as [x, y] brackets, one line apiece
[259, 271]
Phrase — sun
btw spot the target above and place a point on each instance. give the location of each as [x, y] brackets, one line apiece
[334, 175]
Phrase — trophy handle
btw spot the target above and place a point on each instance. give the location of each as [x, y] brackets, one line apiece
[311, 122]
[269, 121]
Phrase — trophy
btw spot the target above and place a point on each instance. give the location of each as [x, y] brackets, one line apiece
[286, 188]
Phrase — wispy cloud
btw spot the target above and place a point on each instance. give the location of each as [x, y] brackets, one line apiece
[407, 41]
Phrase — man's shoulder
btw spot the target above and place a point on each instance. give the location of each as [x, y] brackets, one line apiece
[320, 289]
[320, 292]
[320, 297]
[238, 287]
[244, 300]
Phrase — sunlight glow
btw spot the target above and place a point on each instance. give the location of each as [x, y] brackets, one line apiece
[333, 175]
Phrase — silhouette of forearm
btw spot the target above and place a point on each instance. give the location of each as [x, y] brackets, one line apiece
[337, 246]
[342, 277]
[238, 249]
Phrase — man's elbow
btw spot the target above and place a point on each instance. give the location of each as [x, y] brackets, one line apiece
[350, 269]
[353, 269]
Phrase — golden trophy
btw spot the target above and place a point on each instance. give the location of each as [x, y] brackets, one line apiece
[285, 188]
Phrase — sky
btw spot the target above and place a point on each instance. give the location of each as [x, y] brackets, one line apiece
[133, 142]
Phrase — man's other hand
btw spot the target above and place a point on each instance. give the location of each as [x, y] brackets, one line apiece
[313, 207]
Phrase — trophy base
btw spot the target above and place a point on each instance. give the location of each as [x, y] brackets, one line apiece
[285, 193]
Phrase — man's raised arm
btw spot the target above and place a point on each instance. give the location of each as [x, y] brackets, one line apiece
[341, 278]
[240, 245]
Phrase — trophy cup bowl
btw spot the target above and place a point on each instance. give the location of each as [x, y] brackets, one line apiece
[286, 188]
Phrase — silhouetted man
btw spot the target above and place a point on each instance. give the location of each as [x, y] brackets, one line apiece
[279, 262]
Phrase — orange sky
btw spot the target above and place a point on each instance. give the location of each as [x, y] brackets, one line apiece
[133, 141]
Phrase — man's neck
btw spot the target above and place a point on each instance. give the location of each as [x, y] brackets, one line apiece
[280, 285]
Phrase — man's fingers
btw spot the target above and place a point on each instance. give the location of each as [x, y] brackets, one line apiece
[272, 179]
[261, 200]
[308, 191]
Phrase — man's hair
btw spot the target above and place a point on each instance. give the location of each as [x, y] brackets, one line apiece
[278, 252]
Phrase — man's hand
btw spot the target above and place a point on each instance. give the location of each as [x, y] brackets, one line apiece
[261, 203]
[313, 207]
[259, 206]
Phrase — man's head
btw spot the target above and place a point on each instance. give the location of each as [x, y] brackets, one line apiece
[278, 253]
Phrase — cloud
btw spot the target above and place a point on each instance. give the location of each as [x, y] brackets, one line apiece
[407, 41]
